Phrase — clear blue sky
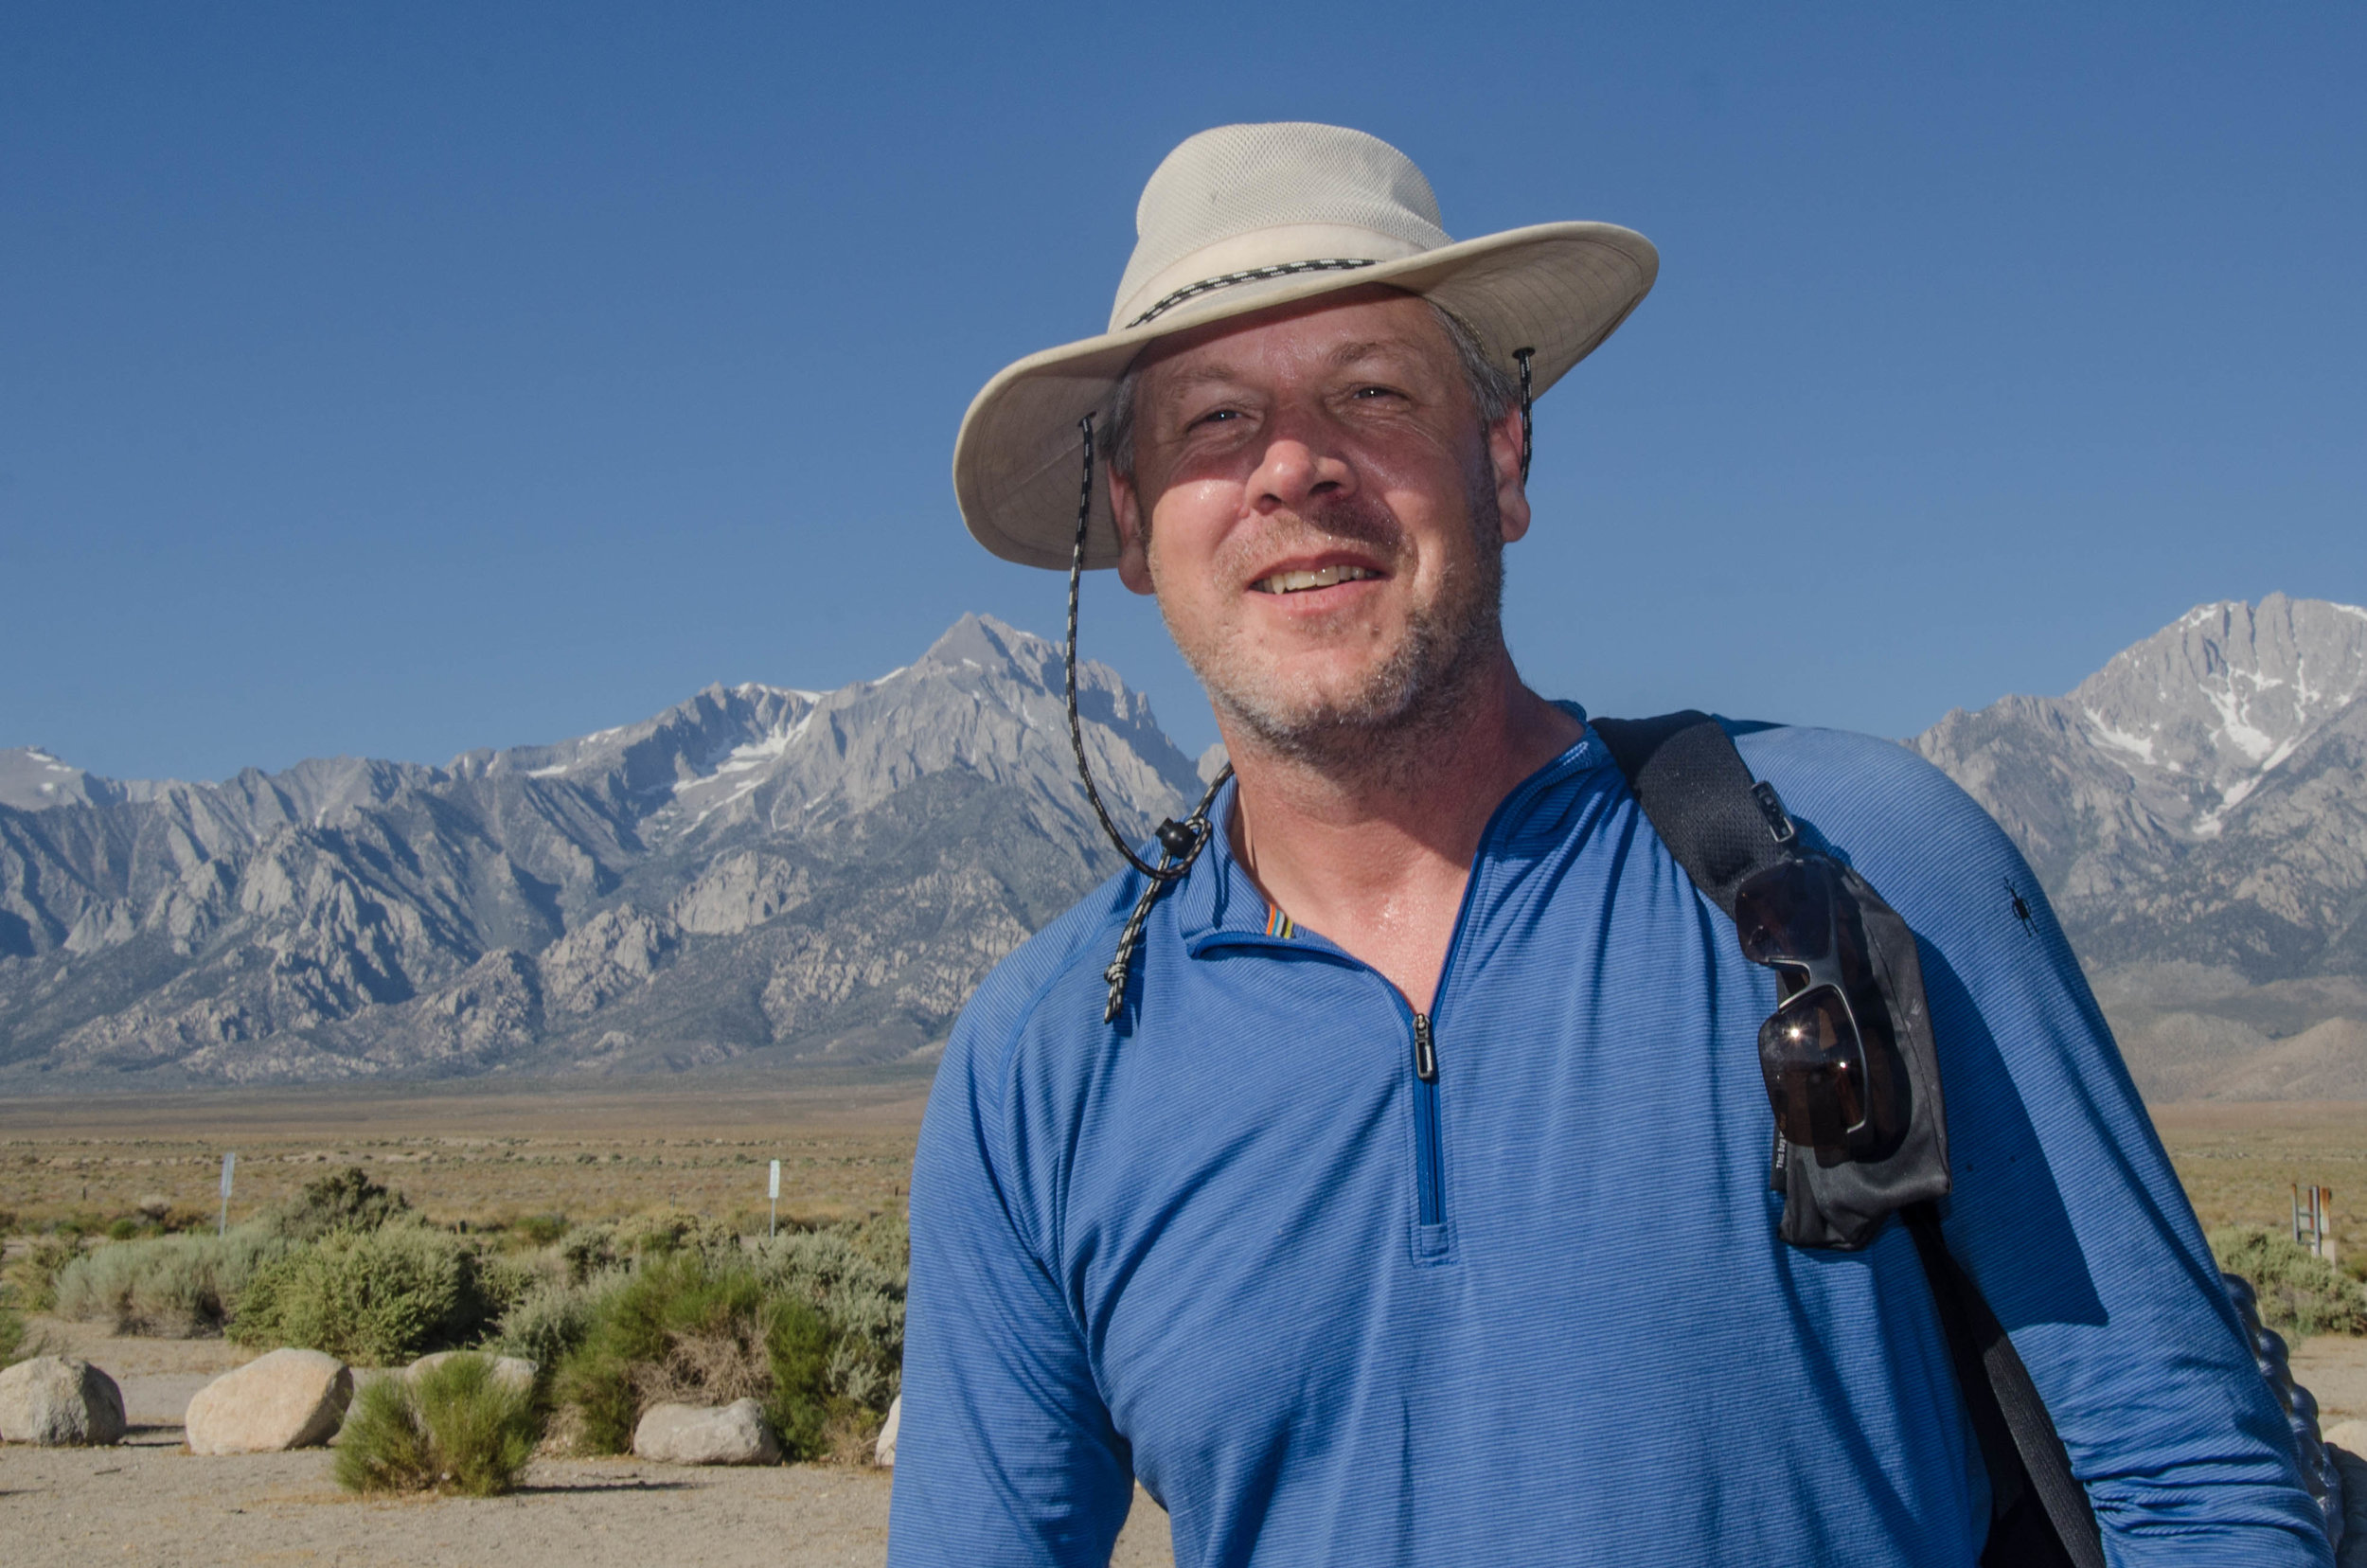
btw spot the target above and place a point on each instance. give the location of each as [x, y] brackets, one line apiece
[395, 379]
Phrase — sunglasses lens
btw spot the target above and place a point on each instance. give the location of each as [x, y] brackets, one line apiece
[1785, 914]
[1815, 1067]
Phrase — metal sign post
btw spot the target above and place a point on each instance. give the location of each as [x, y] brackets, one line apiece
[230, 1163]
[773, 1225]
[2313, 1219]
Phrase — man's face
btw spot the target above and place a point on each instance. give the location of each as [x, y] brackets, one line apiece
[1321, 516]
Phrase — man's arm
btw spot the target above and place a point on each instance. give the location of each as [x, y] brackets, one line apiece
[2065, 1210]
[1005, 1454]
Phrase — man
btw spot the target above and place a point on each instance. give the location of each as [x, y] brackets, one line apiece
[1409, 1202]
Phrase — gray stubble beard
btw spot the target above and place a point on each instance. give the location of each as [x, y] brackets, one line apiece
[1380, 732]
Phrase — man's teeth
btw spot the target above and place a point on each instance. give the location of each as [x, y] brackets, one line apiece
[1322, 576]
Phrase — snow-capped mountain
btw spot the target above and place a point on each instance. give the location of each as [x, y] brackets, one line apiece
[758, 867]
[2198, 810]
[826, 876]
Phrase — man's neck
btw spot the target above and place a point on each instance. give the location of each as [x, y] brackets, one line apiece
[1373, 854]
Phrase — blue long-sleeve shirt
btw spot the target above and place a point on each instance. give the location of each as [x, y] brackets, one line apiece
[1537, 1311]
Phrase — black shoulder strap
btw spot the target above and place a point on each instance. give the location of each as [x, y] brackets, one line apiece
[1698, 793]
[1722, 827]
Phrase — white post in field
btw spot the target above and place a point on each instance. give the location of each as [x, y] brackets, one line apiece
[774, 1224]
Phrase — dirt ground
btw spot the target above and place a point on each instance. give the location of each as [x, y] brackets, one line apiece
[150, 1502]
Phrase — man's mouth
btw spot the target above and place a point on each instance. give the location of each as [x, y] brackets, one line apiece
[1321, 577]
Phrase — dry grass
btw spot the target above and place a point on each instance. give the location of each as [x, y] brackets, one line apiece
[504, 1154]
[2239, 1161]
[481, 1153]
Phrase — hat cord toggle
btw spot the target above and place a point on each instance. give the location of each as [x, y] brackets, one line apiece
[1180, 842]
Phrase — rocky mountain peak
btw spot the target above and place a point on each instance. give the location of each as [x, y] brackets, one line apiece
[756, 866]
[2206, 708]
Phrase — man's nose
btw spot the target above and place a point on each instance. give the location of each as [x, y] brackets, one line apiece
[1304, 459]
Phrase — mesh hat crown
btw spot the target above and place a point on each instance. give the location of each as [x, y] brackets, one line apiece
[1246, 216]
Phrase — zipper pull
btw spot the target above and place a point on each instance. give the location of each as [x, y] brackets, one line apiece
[1425, 1050]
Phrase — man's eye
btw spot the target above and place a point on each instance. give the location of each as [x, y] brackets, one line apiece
[1366, 394]
[1215, 415]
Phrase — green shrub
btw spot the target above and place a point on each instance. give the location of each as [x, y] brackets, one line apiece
[374, 1297]
[459, 1428]
[541, 1229]
[344, 1200]
[801, 1354]
[11, 1330]
[855, 1277]
[810, 1324]
[32, 1274]
[666, 1232]
[554, 1317]
[2300, 1293]
[175, 1286]
[590, 1250]
[674, 1330]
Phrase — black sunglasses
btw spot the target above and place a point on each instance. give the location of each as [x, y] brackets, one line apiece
[1825, 1050]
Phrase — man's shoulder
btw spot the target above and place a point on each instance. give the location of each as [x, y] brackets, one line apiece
[1863, 779]
[1909, 828]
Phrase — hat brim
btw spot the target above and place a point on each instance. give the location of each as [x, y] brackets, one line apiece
[1558, 287]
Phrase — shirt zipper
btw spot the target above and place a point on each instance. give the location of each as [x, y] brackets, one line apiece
[1433, 1240]
[1429, 1207]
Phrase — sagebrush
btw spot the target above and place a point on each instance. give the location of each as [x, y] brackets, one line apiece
[554, 1315]
[31, 1276]
[347, 1200]
[174, 1286]
[456, 1428]
[2300, 1293]
[811, 1325]
[376, 1297]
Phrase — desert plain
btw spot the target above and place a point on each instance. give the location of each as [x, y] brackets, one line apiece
[491, 1153]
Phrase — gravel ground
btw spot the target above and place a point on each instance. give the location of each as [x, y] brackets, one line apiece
[149, 1500]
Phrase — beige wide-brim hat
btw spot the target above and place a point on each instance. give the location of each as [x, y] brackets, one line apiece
[1247, 216]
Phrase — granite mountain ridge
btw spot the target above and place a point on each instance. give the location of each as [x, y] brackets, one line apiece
[768, 875]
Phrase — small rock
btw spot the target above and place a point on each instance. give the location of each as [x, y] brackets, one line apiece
[2351, 1435]
[702, 1434]
[59, 1402]
[885, 1453]
[512, 1372]
[287, 1400]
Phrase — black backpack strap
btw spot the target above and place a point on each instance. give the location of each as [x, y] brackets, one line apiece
[1722, 827]
[1698, 791]
[2038, 1512]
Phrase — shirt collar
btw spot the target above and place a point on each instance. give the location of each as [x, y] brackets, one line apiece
[1219, 895]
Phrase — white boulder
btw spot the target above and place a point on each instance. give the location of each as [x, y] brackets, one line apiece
[885, 1453]
[59, 1401]
[287, 1399]
[735, 1433]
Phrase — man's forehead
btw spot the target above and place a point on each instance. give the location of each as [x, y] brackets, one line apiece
[1333, 332]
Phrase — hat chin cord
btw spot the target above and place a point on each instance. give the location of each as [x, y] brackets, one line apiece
[1180, 842]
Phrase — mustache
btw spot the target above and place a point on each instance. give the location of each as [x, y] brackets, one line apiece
[1349, 519]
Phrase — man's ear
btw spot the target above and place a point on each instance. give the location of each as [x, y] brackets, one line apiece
[1504, 462]
[1134, 539]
